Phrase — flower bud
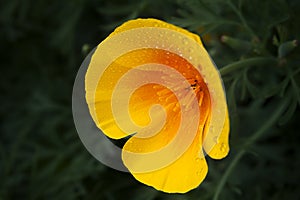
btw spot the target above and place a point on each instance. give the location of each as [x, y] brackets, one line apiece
[286, 48]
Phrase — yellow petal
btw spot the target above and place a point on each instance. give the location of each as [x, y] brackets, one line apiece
[138, 23]
[183, 175]
[220, 148]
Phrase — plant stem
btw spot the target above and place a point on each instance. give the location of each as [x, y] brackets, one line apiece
[271, 121]
[246, 63]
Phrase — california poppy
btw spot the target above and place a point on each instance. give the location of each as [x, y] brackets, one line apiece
[155, 82]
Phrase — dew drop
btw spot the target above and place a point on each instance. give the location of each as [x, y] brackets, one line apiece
[175, 109]
[161, 99]
[185, 41]
[200, 67]
[223, 147]
[155, 86]
[199, 172]
[216, 139]
[190, 50]
[199, 159]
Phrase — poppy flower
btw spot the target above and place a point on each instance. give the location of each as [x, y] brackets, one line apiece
[156, 83]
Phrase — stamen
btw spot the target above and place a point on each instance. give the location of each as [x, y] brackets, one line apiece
[189, 100]
[163, 92]
[200, 96]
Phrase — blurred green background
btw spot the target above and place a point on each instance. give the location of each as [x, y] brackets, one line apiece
[43, 43]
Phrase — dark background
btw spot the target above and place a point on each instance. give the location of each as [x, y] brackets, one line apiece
[43, 43]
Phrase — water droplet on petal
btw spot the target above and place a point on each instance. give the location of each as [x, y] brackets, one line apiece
[223, 147]
[175, 109]
[216, 139]
[200, 67]
[185, 41]
[155, 86]
[199, 172]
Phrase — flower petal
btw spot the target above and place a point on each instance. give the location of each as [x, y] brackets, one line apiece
[183, 175]
[221, 144]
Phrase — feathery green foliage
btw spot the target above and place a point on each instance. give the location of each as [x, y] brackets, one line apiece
[43, 42]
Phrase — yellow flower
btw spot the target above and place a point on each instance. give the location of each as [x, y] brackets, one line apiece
[156, 82]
